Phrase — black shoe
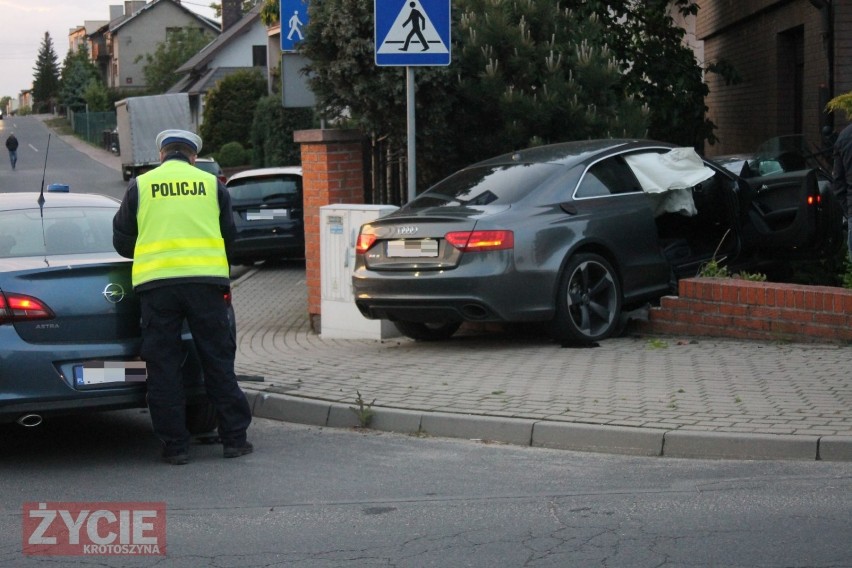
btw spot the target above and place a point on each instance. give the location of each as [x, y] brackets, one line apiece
[237, 451]
[176, 457]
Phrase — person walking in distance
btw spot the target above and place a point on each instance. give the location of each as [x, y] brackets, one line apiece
[12, 146]
[175, 223]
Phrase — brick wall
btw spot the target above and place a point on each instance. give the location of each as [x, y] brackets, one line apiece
[332, 172]
[750, 34]
[742, 309]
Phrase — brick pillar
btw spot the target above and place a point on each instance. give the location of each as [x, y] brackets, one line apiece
[332, 172]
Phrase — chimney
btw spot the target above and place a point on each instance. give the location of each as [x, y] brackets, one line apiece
[132, 6]
[231, 13]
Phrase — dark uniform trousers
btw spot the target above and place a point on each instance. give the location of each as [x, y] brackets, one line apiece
[203, 306]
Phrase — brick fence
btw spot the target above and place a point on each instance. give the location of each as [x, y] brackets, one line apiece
[741, 309]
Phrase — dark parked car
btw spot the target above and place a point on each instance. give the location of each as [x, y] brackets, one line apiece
[211, 166]
[267, 206]
[69, 319]
[575, 233]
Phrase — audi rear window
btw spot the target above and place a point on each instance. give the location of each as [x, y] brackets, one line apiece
[486, 185]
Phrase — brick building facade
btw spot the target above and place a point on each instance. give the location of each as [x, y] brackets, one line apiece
[781, 49]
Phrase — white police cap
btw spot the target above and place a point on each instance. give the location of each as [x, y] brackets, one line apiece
[175, 136]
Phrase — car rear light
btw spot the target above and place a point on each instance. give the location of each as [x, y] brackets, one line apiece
[18, 307]
[228, 298]
[479, 241]
[814, 199]
[365, 241]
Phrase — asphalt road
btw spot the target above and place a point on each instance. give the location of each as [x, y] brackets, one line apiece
[45, 156]
[318, 497]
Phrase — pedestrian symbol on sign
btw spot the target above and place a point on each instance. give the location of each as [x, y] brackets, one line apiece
[295, 26]
[417, 21]
[412, 37]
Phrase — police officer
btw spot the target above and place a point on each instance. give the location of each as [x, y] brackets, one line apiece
[175, 223]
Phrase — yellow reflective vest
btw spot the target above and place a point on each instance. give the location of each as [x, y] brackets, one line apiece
[178, 219]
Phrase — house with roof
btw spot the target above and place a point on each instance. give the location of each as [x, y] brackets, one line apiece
[136, 29]
[241, 45]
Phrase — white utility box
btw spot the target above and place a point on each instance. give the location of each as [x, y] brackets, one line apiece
[339, 226]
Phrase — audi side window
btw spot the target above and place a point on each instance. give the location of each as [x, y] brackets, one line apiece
[608, 177]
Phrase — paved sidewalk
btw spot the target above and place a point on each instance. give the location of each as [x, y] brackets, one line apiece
[671, 397]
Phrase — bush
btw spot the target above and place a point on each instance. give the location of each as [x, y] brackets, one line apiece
[229, 109]
[231, 155]
[272, 133]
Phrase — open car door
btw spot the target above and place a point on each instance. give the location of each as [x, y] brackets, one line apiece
[782, 213]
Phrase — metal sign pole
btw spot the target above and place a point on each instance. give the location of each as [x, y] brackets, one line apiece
[412, 161]
[424, 26]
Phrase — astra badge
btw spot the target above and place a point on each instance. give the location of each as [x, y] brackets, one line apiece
[407, 230]
[113, 293]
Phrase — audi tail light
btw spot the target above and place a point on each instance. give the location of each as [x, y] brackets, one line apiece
[366, 239]
[481, 241]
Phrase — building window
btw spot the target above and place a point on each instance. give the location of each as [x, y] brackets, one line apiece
[258, 55]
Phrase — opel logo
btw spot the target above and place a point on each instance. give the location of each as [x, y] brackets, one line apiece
[113, 293]
[407, 230]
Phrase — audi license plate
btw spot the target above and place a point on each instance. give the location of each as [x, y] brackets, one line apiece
[413, 248]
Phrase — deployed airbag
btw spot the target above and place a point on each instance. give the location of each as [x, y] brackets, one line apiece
[669, 178]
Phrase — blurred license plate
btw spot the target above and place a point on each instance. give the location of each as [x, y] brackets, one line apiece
[93, 373]
[267, 214]
[412, 248]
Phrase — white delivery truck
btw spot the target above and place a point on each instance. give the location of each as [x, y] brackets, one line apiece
[139, 120]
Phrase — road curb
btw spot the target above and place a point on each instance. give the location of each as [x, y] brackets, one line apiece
[605, 439]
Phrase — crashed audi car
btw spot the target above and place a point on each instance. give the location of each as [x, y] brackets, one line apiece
[574, 234]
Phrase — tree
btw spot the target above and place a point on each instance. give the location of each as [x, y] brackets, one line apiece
[272, 133]
[245, 7]
[78, 72]
[657, 66]
[46, 77]
[229, 109]
[180, 45]
[524, 72]
[270, 12]
[97, 96]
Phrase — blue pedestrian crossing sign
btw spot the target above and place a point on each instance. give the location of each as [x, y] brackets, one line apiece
[412, 32]
[294, 20]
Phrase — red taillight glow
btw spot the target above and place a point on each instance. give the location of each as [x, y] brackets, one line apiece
[365, 241]
[480, 241]
[17, 307]
[814, 199]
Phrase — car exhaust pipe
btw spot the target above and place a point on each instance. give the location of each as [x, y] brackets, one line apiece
[30, 420]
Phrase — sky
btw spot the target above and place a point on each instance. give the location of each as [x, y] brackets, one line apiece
[22, 27]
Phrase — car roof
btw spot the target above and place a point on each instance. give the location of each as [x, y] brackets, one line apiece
[570, 153]
[29, 200]
[260, 172]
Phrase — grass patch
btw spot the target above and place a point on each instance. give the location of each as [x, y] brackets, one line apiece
[59, 125]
